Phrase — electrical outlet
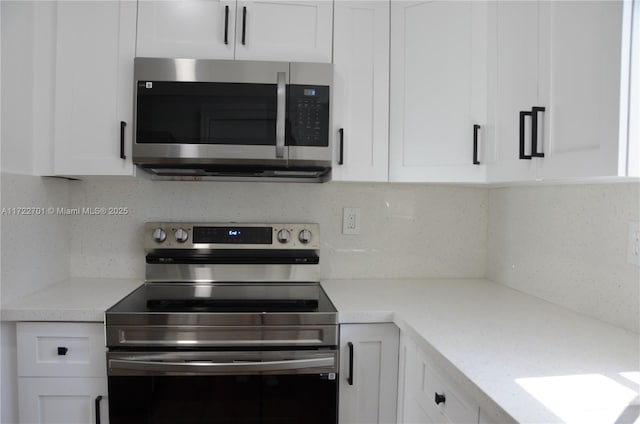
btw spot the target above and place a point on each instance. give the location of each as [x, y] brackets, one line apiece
[633, 245]
[351, 221]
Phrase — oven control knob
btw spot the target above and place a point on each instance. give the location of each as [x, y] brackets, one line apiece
[181, 235]
[159, 235]
[304, 236]
[284, 235]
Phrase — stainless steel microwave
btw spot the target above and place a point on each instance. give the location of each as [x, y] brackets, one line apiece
[239, 120]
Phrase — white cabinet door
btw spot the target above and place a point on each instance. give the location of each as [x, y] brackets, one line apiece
[438, 90]
[62, 373]
[368, 373]
[428, 394]
[297, 31]
[94, 87]
[513, 86]
[360, 95]
[572, 59]
[580, 88]
[409, 411]
[62, 400]
[197, 29]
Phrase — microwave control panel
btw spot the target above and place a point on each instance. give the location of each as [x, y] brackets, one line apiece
[307, 115]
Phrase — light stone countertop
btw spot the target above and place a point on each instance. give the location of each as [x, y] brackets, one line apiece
[492, 340]
[77, 299]
[495, 341]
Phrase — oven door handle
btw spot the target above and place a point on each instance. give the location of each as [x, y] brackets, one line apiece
[212, 368]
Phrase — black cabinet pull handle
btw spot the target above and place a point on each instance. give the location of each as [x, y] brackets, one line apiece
[226, 25]
[534, 131]
[350, 376]
[523, 115]
[244, 25]
[476, 128]
[62, 350]
[97, 402]
[122, 127]
[440, 398]
[341, 157]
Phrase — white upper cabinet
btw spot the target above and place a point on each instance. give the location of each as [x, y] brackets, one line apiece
[438, 90]
[360, 97]
[214, 29]
[94, 87]
[581, 88]
[558, 87]
[197, 29]
[298, 31]
[513, 85]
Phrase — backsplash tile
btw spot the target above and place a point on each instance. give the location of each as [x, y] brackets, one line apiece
[35, 247]
[407, 230]
[567, 244]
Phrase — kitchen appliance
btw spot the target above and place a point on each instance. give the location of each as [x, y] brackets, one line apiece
[230, 326]
[225, 119]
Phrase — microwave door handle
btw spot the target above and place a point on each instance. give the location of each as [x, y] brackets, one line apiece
[280, 117]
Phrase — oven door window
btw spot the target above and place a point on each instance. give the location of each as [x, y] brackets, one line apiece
[206, 113]
[243, 399]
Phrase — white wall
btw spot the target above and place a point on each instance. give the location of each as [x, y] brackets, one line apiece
[407, 230]
[568, 244]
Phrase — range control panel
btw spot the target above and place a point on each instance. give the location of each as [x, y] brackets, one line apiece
[182, 235]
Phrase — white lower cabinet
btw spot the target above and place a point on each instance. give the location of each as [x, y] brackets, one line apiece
[368, 373]
[62, 400]
[427, 394]
[62, 374]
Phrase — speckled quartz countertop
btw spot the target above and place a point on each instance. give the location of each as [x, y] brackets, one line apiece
[520, 358]
[78, 299]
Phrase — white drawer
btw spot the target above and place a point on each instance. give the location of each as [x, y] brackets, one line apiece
[455, 406]
[53, 349]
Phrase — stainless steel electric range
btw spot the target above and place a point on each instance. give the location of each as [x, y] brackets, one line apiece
[230, 326]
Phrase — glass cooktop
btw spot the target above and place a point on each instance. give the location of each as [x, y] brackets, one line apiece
[225, 298]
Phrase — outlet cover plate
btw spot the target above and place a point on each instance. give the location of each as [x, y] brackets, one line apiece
[351, 221]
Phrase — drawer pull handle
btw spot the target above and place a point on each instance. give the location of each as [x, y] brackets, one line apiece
[97, 402]
[476, 128]
[123, 125]
[523, 115]
[62, 351]
[350, 376]
[440, 398]
[534, 131]
[341, 157]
